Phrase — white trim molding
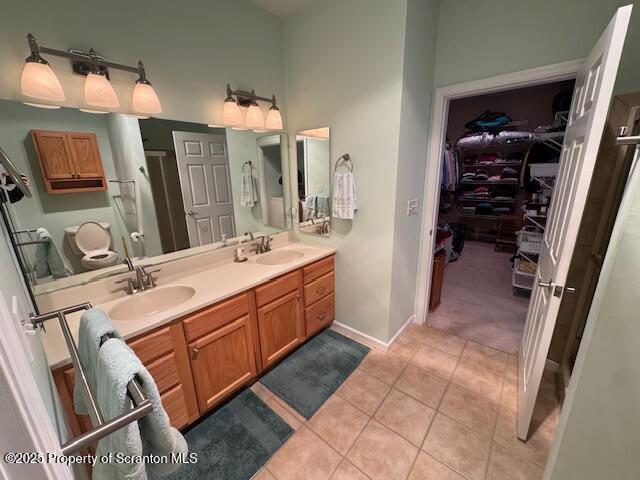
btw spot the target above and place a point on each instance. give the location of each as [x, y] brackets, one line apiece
[24, 423]
[368, 340]
[443, 95]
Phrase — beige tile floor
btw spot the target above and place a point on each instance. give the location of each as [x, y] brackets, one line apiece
[436, 407]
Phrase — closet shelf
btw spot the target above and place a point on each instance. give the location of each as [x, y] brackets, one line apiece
[479, 216]
[494, 164]
[486, 200]
[487, 182]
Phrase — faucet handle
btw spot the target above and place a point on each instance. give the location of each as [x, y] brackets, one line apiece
[130, 287]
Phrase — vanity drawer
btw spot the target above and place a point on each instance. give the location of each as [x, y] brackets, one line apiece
[317, 269]
[319, 288]
[153, 345]
[320, 314]
[165, 372]
[175, 404]
[212, 318]
[277, 288]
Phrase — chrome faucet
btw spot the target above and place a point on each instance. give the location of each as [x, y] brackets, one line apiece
[127, 261]
[142, 281]
[264, 244]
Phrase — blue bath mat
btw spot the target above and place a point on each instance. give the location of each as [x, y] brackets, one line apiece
[309, 376]
[235, 441]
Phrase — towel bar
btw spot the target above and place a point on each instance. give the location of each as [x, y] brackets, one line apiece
[101, 428]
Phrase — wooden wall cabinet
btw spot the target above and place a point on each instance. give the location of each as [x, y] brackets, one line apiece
[69, 161]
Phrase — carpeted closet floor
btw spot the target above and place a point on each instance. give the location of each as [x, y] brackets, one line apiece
[477, 299]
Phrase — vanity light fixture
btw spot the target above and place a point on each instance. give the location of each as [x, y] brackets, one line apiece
[255, 120]
[38, 78]
[40, 82]
[98, 91]
[232, 115]
[274, 119]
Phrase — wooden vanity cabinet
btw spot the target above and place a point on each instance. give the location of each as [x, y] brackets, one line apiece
[319, 296]
[69, 161]
[280, 317]
[164, 353]
[221, 349]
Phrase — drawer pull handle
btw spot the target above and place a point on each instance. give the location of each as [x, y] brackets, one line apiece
[195, 351]
[321, 290]
[321, 316]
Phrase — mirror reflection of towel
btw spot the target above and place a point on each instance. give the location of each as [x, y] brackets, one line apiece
[345, 198]
[322, 207]
[48, 259]
[248, 190]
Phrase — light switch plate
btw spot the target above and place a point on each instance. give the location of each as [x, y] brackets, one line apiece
[413, 206]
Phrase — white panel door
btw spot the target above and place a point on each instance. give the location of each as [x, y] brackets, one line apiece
[205, 181]
[591, 99]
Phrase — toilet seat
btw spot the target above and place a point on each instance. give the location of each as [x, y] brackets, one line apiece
[94, 241]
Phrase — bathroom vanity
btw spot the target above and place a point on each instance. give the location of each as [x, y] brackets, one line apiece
[215, 347]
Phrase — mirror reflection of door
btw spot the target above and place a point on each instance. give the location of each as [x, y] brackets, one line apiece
[271, 181]
[203, 167]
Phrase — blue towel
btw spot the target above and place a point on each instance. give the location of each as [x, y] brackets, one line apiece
[94, 324]
[151, 435]
[48, 258]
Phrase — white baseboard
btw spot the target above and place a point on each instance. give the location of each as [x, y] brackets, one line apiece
[358, 336]
[368, 340]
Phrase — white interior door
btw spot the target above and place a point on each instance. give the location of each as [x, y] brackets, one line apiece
[205, 180]
[591, 99]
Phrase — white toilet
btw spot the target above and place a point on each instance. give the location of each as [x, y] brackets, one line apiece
[92, 240]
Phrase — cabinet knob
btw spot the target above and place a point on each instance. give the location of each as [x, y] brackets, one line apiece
[297, 297]
[321, 316]
[195, 351]
[321, 290]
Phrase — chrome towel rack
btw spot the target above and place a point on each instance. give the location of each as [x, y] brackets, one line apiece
[344, 160]
[142, 405]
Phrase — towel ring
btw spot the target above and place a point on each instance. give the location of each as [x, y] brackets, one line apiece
[250, 164]
[344, 160]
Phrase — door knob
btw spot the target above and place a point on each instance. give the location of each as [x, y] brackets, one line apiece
[191, 213]
[546, 284]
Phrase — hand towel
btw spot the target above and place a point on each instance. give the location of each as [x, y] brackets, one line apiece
[48, 258]
[309, 207]
[151, 435]
[94, 324]
[345, 198]
[322, 207]
[248, 190]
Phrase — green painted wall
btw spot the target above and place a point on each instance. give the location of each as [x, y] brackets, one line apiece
[344, 70]
[482, 39]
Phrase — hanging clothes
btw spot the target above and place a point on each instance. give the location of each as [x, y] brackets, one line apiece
[450, 172]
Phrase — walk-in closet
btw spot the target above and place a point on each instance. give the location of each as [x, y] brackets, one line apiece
[499, 165]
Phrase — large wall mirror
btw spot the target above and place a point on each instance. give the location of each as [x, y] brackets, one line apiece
[108, 187]
[314, 180]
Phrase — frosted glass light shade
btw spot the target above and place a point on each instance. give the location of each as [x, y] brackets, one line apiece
[145, 99]
[40, 81]
[231, 114]
[98, 92]
[274, 119]
[255, 120]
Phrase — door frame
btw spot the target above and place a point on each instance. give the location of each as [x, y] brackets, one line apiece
[430, 199]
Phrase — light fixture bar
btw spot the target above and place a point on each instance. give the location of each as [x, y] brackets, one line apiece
[248, 95]
[77, 56]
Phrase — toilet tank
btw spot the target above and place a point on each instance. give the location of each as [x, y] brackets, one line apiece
[70, 233]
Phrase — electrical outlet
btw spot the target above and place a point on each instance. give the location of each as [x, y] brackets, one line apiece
[413, 207]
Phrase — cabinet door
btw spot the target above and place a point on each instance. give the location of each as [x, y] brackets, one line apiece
[222, 362]
[54, 154]
[281, 327]
[85, 155]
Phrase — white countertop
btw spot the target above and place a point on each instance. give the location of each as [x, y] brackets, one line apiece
[211, 286]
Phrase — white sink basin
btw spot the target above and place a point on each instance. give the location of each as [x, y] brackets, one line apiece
[279, 257]
[152, 301]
